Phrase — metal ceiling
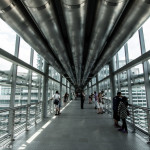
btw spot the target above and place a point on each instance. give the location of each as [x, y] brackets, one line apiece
[77, 37]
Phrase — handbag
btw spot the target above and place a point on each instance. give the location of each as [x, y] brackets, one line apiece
[56, 101]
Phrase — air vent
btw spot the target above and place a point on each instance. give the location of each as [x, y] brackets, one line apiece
[109, 3]
[74, 6]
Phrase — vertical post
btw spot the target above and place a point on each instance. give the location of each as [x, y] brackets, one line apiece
[117, 65]
[45, 90]
[91, 87]
[30, 77]
[88, 91]
[97, 87]
[70, 96]
[29, 89]
[112, 82]
[146, 77]
[129, 86]
[128, 74]
[61, 90]
[13, 91]
[40, 79]
[66, 86]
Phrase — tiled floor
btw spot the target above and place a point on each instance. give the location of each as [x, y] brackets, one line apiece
[79, 129]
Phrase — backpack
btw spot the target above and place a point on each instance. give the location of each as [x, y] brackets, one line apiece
[56, 101]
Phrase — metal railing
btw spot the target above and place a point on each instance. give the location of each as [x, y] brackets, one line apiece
[21, 118]
[50, 107]
[139, 118]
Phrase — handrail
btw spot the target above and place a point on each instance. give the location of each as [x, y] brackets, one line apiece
[138, 119]
[18, 107]
[136, 106]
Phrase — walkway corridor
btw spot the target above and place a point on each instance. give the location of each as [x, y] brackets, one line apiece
[78, 129]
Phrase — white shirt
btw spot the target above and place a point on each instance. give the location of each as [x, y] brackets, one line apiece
[56, 96]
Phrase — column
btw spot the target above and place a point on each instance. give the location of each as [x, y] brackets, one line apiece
[146, 77]
[45, 90]
[128, 74]
[88, 90]
[30, 76]
[61, 89]
[112, 80]
[97, 87]
[118, 76]
[13, 91]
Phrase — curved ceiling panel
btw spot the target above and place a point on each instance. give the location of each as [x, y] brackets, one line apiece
[43, 12]
[107, 14]
[20, 23]
[75, 12]
[135, 15]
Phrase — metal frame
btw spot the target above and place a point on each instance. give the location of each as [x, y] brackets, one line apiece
[13, 91]
[146, 77]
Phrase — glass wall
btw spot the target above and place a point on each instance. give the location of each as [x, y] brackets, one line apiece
[133, 81]
[146, 30]
[7, 38]
[29, 84]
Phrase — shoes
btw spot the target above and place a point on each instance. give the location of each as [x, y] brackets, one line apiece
[125, 131]
[56, 114]
[117, 126]
[120, 129]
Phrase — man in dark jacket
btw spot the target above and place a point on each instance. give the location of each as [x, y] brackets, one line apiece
[82, 99]
[116, 101]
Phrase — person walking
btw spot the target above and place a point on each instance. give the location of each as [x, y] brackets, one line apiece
[82, 99]
[95, 98]
[65, 98]
[99, 107]
[56, 98]
[123, 113]
[116, 101]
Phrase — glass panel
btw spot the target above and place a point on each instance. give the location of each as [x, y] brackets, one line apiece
[125, 91]
[89, 84]
[94, 80]
[64, 80]
[63, 90]
[37, 60]
[123, 79]
[115, 63]
[24, 51]
[134, 49]
[146, 30]
[21, 95]
[94, 88]
[5, 83]
[34, 95]
[7, 38]
[5, 91]
[5, 65]
[139, 95]
[121, 56]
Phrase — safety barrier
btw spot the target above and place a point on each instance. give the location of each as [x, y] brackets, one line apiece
[139, 118]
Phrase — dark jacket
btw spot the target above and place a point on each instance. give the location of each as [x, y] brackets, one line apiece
[116, 101]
